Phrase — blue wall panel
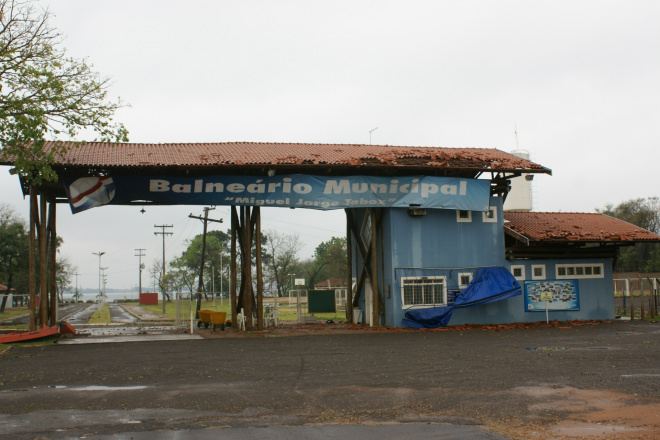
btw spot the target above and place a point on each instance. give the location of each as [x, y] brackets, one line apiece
[437, 245]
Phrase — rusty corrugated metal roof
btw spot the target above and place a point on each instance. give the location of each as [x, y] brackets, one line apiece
[201, 155]
[576, 227]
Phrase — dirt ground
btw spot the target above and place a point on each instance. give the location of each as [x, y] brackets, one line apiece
[560, 381]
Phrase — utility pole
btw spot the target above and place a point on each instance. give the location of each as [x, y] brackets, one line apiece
[76, 275]
[163, 233]
[99, 254]
[140, 254]
[200, 285]
[104, 277]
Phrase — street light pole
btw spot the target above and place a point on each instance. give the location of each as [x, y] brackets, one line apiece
[140, 253]
[99, 254]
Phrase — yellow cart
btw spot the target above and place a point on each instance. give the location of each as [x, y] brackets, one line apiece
[204, 318]
[218, 320]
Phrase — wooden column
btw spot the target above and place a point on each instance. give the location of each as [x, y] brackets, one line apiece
[260, 280]
[375, 317]
[349, 274]
[32, 259]
[43, 263]
[52, 264]
[246, 273]
[232, 278]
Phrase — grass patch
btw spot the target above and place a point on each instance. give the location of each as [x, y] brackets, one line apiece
[101, 315]
[287, 313]
[35, 342]
[185, 306]
[14, 327]
[14, 313]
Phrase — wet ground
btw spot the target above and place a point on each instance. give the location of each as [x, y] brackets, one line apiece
[567, 380]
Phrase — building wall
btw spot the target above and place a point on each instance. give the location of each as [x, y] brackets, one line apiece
[436, 244]
[595, 295]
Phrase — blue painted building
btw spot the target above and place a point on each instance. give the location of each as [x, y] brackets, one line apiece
[425, 258]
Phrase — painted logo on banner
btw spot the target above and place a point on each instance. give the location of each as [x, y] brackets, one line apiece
[295, 191]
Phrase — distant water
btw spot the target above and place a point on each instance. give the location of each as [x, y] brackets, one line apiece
[110, 296]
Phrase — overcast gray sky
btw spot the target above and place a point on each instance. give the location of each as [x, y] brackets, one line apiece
[580, 79]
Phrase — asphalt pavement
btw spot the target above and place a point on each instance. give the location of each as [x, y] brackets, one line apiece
[518, 383]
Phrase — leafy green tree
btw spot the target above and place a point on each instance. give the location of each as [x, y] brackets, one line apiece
[329, 262]
[13, 252]
[645, 213]
[45, 94]
[65, 270]
[188, 263]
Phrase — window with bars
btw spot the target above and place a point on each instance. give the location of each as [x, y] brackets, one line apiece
[464, 279]
[538, 272]
[518, 272]
[423, 291]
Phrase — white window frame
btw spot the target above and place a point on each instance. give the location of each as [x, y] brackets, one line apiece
[584, 267]
[538, 277]
[522, 272]
[459, 219]
[443, 279]
[486, 219]
[461, 285]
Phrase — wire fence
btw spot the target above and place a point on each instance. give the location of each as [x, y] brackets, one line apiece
[636, 297]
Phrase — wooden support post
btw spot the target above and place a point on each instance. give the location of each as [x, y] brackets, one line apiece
[248, 296]
[52, 264]
[349, 275]
[375, 301]
[632, 308]
[232, 279]
[260, 280]
[32, 259]
[43, 263]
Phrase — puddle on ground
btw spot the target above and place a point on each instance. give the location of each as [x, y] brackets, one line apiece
[546, 348]
[123, 330]
[596, 348]
[99, 388]
[641, 375]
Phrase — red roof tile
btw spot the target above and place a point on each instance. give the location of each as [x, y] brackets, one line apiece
[95, 154]
[572, 226]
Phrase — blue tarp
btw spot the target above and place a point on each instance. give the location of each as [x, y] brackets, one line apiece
[490, 284]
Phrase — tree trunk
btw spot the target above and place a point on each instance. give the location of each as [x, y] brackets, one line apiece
[6, 294]
[32, 258]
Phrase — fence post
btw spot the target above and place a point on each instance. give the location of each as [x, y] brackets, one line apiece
[655, 295]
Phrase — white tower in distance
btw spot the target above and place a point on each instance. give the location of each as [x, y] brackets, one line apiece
[520, 196]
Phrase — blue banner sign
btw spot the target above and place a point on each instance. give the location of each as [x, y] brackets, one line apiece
[293, 190]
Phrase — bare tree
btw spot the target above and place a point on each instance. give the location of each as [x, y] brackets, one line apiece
[284, 260]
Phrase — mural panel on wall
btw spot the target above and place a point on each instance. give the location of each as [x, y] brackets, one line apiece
[553, 294]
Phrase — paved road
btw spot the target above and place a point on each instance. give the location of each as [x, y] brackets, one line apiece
[63, 311]
[79, 314]
[534, 383]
